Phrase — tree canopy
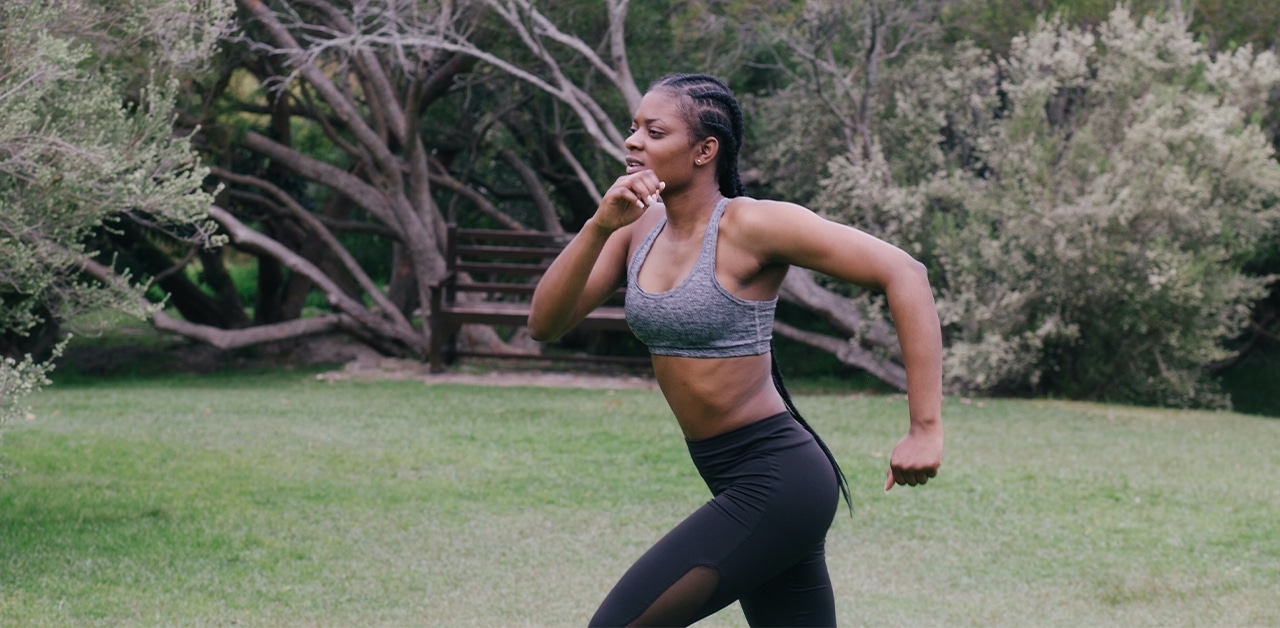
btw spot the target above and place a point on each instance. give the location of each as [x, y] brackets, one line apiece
[1093, 188]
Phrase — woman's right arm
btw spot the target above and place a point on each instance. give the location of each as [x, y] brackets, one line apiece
[594, 264]
[589, 269]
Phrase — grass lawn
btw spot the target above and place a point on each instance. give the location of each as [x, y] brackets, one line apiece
[277, 499]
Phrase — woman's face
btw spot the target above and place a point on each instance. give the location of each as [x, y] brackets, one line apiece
[660, 139]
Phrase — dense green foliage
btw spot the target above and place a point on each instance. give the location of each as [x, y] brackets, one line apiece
[1088, 203]
[277, 499]
[84, 143]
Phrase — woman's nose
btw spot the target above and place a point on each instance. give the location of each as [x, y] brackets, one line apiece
[633, 141]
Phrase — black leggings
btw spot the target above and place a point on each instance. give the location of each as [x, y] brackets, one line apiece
[759, 540]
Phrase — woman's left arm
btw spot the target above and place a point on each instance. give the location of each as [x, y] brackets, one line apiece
[791, 234]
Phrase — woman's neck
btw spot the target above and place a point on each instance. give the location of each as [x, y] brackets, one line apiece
[689, 210]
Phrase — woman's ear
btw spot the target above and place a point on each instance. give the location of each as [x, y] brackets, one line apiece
[706, 151]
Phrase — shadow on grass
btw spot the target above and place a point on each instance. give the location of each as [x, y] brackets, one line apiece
[140, 353]
[1255, 380]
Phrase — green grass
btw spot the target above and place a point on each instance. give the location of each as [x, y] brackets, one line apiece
[277, 499]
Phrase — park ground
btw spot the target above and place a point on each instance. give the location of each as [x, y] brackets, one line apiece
[374, 495]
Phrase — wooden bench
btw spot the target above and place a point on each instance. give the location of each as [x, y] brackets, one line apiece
[490, 278]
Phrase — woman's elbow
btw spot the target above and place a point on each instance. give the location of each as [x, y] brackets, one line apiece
[918, 269]
[913, 275]
[540, 330]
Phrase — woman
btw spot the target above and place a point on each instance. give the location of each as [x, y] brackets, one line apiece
[703, 265]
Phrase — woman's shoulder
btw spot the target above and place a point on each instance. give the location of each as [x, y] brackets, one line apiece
[775, 231]
[752, 217]
[762, 208]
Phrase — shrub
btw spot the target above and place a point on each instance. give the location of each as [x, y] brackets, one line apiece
[1086, 205]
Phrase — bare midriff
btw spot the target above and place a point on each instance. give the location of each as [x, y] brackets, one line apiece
[711, 396]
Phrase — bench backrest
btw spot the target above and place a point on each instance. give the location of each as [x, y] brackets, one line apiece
[505, 265]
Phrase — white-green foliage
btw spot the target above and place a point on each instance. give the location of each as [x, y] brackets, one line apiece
[81, 146]
[19, 378]
[1085, 204]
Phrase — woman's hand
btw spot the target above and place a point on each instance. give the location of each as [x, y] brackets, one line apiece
[627, 199]
[916, 458]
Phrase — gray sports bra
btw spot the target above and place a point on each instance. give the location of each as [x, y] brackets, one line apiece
[698, 318]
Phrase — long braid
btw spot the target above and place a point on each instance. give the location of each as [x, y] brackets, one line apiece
[841, 481]
[711, 110]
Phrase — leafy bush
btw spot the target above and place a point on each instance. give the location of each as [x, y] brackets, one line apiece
[87, 140]
[1086, 205]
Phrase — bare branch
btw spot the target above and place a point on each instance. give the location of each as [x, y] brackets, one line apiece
[550, 220]
[340, 103]
[332, 133]
[593, 117]
[848, 353]
[441, 177]
[583, 177]
[221, 338]
[378, 85]
[227, 339]
[355, 188]
[317, 228]
[620, 76]
[800, 288]
[251, 240]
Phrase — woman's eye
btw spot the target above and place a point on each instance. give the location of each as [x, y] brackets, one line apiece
[633, 129]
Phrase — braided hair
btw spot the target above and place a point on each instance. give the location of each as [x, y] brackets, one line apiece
[710, 109]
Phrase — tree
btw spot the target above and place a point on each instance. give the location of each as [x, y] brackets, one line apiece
[351, 129]
[1088, 205]
[347, 136]
[87, 143]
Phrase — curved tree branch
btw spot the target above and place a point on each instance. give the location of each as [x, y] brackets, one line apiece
[378, 86]
[223, 338]
[800, 288]
[227, 339]
[367, 196]
[251, 240]
[547, 209]
[848, 353]
[420, 234]
[578, 170]
[342, 105]
[442, 178]
[317, 228]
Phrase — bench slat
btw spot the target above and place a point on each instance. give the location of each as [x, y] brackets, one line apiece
[477, 250]
[499, 235]
[491, 313]
[523, 289]
[506, 268]
[506, 308]
[504, 262]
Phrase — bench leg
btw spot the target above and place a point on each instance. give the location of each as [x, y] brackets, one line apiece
[441, 333]
[437, 347]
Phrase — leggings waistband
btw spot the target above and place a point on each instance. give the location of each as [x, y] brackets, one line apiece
[777, 431]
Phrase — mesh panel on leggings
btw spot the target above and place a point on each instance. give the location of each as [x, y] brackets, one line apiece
[680, 603]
